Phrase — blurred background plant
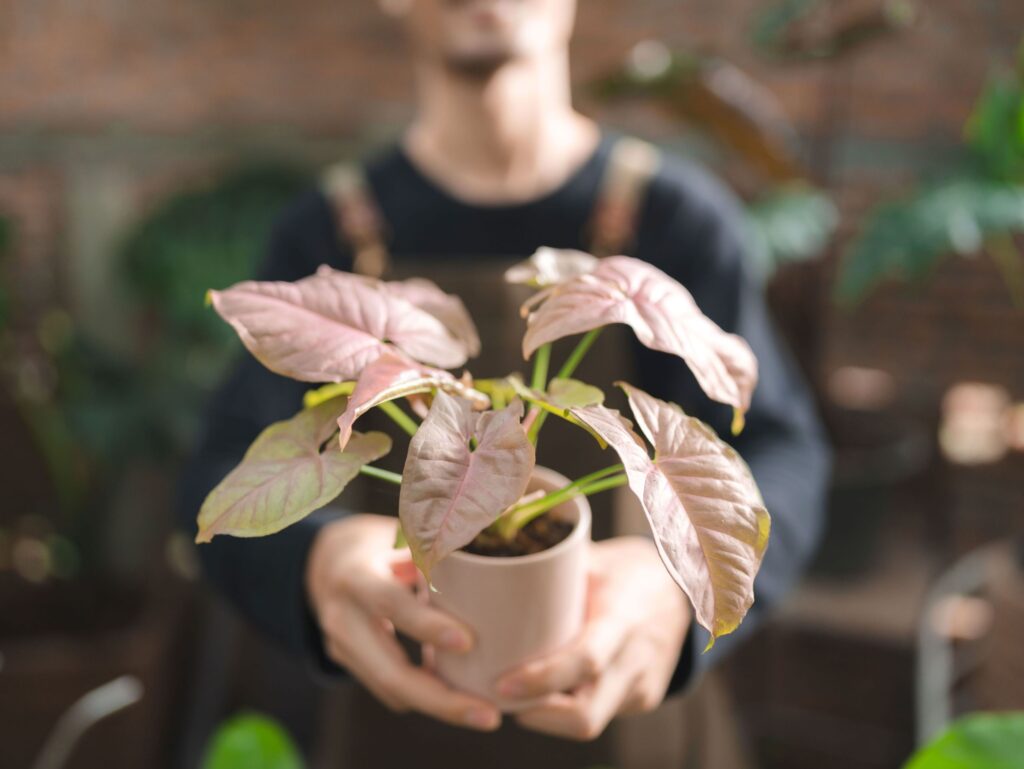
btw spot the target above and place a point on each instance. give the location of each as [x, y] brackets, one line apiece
[980, 741]
[788, 218]
[251, 741]
[95, 414]
[976, 206]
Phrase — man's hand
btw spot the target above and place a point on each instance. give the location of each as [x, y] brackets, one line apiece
[624, 658]
[361, 595]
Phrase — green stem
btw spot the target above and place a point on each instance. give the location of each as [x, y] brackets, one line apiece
[519, 516]
[399, 417]
[576, 356]
[384, 475]
[567, 370]
[541, 362]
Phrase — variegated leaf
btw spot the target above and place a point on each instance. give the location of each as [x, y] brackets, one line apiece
[660, 311]
[451, 491]
[702, 503]
[290, 470]
[447, 308]
[329, 326]
[394, 376]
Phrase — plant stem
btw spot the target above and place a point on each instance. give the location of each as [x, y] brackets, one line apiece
[384, 475]
[567, 370]
[541, 361]
[596, 481]
[399, 417]
[576, 356]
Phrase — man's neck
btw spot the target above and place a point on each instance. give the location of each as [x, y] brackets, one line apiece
[506, 137]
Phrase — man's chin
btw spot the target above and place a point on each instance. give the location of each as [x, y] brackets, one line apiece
[480, 63]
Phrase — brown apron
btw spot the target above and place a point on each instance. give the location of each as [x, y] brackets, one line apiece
[365, 735]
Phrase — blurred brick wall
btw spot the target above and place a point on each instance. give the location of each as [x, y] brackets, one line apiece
[106, 106]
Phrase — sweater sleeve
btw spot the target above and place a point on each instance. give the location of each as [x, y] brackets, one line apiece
[262, 577]
[784, 444]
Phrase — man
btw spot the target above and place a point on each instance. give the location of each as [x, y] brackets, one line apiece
[498, 162]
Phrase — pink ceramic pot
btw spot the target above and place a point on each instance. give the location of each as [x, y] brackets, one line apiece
[518, 607]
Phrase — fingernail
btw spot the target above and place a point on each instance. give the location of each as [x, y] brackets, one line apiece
[482, 718]
[455, 640]
[512, 687]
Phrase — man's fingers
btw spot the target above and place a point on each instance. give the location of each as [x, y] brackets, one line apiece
[585, 714]
[412, 617]
[569, 668]
[372, 655]
[427, 694]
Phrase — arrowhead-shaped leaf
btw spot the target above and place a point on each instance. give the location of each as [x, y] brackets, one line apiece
[450, 491]
[290, 470]
[708, 519]
[447, 308]
[660, 311]
[394, 376]
[329, 326]
[549, 266]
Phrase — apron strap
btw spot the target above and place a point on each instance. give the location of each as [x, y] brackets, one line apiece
[359, 221]
[631, 166]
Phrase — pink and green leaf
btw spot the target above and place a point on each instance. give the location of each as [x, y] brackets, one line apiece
[450, 491]
[707, 516]
[329, 326]
[291, 470]
[660, 311]
[394, 376]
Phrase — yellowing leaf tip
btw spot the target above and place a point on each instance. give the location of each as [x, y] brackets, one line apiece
[738, 421]
[208, 298]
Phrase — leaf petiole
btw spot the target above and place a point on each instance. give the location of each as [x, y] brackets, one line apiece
[519, 516]
[567, 370]
[399, 417]
[384, 475]
[541, 363]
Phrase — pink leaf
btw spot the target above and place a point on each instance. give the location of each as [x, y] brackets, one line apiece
[394, 376]
[549, 266]
[450, 492]
[329, 326]
[285, 476]
[702, 503]
[447, 308]
[662, 314]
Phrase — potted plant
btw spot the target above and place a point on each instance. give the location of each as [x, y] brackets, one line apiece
[501, 542]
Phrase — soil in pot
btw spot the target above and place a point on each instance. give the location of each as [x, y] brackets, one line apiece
[542, 533]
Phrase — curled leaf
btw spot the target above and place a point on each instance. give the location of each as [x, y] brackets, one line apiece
[549, 266]
[450, 492]
[707, 516]
[329, 326]
[660, 311]
[394, 376]
[290, 470]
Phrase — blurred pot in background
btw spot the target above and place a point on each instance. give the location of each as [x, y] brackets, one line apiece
[880, 449]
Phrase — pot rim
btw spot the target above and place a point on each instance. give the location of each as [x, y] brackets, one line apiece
[580, 530]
